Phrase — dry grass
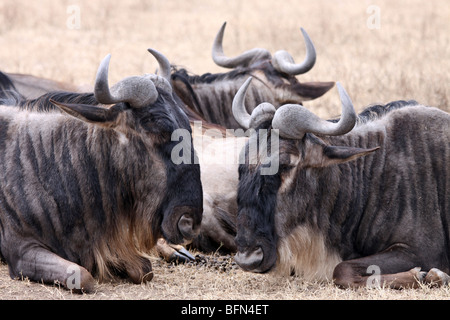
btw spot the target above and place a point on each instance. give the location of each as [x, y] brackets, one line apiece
[407, 58]
[180, 282]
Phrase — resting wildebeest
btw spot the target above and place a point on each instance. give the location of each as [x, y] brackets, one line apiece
[10, 95]
[89, 193]
[211, 95]
[358, 204]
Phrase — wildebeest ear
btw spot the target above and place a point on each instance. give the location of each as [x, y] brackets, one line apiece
[88, 113]
[313, 90]
[322, 155]
[340, 154]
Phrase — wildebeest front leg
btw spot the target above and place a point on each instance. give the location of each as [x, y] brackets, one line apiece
[41, 265]
[394, 268]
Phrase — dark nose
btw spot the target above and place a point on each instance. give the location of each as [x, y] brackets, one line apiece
[250, 260]
[187, 227]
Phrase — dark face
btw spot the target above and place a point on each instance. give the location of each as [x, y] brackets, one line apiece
[182, 205]
[257, 236]
[271, 206]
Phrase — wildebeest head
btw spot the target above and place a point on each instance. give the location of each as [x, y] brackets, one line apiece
[276, 73]
[144, 108]
[296, 141]
[210, 95]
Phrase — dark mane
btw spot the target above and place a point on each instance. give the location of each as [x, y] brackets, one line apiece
[377, 111]
[187, 78]
[10, 96]
[43, 102]
[8, 92]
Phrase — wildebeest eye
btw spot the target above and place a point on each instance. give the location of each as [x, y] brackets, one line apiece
[157, 123]
[284, 168]
[287, 162]
[147, 123]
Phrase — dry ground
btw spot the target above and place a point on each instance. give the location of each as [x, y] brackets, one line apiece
[209, 282]
[408, 57]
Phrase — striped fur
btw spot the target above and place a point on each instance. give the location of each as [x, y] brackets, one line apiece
[9, 95]
[211, 95]
[392, 205]
[218, 228]
[94, 194]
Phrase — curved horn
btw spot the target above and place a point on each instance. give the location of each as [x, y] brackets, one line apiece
[242, 60]
[293, 120]
[101, 88]
[163, 80]
[238, 107]
[282, 61]
[164, 64]
[137, 91]
[263, 112]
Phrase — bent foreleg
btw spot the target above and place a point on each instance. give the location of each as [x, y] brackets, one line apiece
[394, 268]
[40, 265]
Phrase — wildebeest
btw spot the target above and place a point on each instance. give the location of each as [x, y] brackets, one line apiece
[10, 95]
[89, 193]
[364, 204]
[208, 98]
[211, 95]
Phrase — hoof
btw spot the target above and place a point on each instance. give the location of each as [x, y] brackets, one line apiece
[437, 278]
[85, 285]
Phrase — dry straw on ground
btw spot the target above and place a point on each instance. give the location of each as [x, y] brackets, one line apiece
[208, 282]
[407, 57]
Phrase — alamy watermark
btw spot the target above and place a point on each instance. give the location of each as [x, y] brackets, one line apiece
[74, 278]
[73, 21]
[373, 281]
[212, 147]
[374, 20]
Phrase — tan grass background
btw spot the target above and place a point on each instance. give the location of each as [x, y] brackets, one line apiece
[407, 58]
